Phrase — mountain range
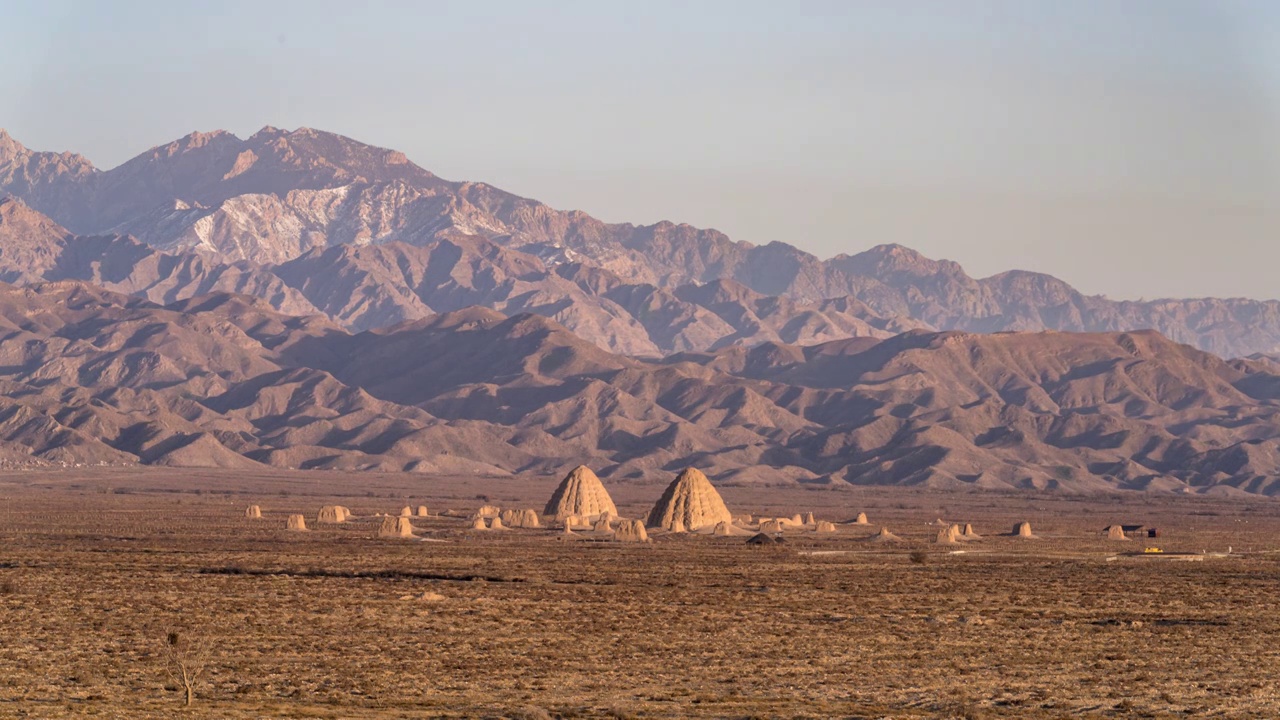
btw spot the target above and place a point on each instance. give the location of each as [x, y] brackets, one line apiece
[93, 377]
[301, 300]
[315, 222]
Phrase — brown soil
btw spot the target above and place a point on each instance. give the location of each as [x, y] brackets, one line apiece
[97, 567]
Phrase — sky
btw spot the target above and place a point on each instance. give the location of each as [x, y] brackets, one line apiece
[1130, 147]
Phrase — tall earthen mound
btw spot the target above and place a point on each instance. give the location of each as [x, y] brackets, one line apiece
[861, 519]
[1116, 532]
[395, 527]
[691, 501]
[296, 522]
[406, 511]
[422, 511]
[477, 523]
[332, 514]
[580, 493]
[253, 511]
[969, 533]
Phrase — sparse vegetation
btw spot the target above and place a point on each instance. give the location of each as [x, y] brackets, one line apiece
[335, 623]
[185, 657]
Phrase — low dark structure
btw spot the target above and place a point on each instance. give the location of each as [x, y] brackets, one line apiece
[1131, 529]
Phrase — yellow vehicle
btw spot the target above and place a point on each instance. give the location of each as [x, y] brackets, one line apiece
[1152, 550]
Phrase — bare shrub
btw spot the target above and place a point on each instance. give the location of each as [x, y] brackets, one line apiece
[184, 659]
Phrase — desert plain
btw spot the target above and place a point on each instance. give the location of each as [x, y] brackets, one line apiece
[98, 567]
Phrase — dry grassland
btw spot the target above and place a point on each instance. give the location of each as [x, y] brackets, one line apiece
[97, 568]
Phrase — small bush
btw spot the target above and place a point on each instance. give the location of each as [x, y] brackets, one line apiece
[919, 557]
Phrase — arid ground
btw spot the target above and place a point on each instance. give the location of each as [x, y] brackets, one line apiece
[97, 568]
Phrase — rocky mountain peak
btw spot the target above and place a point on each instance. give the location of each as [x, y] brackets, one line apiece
[16, 214]
[14, 153]
[887, 258]
[200, 139]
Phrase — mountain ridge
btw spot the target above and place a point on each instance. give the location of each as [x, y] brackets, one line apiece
[94, 377]
[278, 195]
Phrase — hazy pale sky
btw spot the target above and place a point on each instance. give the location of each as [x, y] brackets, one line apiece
[1130, 147]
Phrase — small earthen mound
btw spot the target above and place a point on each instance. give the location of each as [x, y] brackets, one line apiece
[691, 502]
[332, 514]
[406, 511]
[861, 519]
[580, 493]
[1023, 530]
[809, 520]
[296, 522]
[395, 527]
[478, 524]
[496, 524]
[254, 512]
[728, 529]
[422, 511]
[602, 524]
[826, 527]
[771, 526]
[631, 531]
[1116, 532]
[949, 535]
[520, 518]
[969, 533]
[884, 536]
